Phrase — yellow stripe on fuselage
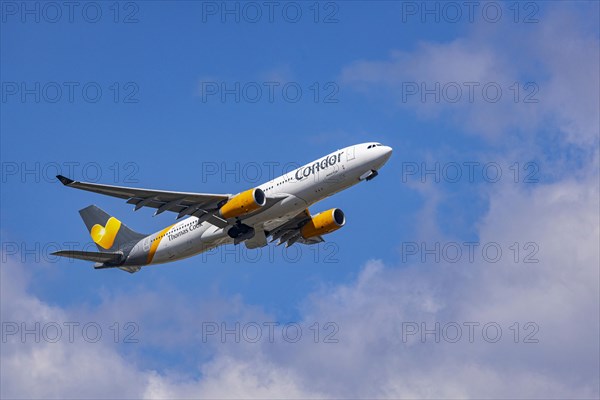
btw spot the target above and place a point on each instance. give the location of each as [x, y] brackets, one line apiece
[156, 242]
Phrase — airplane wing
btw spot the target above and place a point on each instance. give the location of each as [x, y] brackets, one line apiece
[201, 205]
[289, 232]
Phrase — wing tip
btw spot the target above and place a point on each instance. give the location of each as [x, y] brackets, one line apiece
[64, 180]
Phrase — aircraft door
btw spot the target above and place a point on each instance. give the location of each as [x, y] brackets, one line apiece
[350, 154]
[146, 244]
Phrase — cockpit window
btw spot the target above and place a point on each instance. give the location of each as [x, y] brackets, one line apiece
[374, 145]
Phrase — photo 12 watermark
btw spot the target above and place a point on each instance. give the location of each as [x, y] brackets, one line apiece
[41, 252]
[469, 332]
[69, 332]
[453, 12]
[270, 12]
[269, 332]
[70, 12]
[468, 92]
[320, 253]
[470, 171]
[269, 92]
[69, 92]
[454, 252]
[251, 172]
[90, 171]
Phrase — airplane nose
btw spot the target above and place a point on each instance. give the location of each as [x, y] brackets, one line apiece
[387, 152]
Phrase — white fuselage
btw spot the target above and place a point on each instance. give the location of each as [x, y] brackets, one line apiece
[302, 187]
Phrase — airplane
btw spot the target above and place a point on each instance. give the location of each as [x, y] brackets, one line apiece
[277, 209]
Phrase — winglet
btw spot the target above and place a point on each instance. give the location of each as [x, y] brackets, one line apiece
[64, 180]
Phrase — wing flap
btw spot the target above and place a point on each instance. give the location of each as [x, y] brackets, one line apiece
[184, 203]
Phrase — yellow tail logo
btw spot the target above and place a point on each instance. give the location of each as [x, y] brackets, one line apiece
[104, 236]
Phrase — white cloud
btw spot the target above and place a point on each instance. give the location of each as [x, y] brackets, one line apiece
[559, 54]
[62, 369]
[80, 369]
[559, 294]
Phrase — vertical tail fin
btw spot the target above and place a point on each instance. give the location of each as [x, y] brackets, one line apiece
[106, 231]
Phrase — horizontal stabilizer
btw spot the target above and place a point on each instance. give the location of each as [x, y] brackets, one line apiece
[110, 258]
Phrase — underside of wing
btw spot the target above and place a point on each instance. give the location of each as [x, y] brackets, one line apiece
[200, 205]
[308, 229]
[290, 232]
[204, 206]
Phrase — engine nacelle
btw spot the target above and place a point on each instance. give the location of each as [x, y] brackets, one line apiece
[323, 223]
[243, 203]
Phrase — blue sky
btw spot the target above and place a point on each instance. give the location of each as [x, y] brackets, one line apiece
[389, 72]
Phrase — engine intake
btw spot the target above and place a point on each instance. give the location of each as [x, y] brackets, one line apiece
[323, 223]
[243, 203]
